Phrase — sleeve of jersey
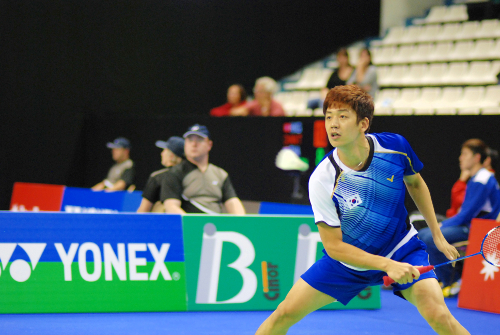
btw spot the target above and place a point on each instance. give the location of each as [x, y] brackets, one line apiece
[323, 207]
[128, 176]
[150, 189]
[171, 187]
[475, 197]
[228, 191]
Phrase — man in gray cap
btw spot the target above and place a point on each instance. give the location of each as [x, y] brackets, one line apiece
[195, 185]
[122, 174]
[172, 154]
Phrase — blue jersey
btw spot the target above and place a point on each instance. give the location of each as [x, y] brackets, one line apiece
[368, 205]
[481, 196]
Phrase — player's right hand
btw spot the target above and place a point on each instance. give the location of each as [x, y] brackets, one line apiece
[402, 273]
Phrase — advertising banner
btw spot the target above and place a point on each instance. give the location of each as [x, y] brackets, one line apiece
[480, 280]
[36, 197]
[81, 263]
[251, 262]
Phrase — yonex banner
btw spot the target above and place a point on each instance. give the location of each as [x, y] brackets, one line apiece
[251, 262]
[60, 262]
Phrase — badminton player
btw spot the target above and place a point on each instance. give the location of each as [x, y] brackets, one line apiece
[357, 195]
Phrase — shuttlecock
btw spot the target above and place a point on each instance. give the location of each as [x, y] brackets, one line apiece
[288, 160]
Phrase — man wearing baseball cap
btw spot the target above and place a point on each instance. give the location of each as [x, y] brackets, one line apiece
[122, 174]
[171, 155]
[195, 185]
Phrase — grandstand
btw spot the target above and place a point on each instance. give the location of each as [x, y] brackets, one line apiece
[442, 64]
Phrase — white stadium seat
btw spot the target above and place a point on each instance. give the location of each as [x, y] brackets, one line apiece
[422, 52]
[491, 97]
[447, 104]
[394, 36]
[429, 32]
[456, 13]
[471, 100]
[411, 35]
[435, 74]
[384, 100]
[450, 30]
[461, 51]
[457, 72]
[441, 52]
[437, 14]
[428, 98]
[483, 49]
[403, 105]
[414, 75]
[468, 31]
[489, 29]
[383, 55]
[403, 54]
[480, 73]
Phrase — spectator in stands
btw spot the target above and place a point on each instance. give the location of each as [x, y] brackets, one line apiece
[482, 200]
[263, 105]
[343, 72]
[458, 189]
[365, 73]
[236, 97]
[195, 185]
[171, 155]
[121, 175]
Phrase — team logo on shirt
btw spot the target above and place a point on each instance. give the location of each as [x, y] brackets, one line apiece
[353, 201]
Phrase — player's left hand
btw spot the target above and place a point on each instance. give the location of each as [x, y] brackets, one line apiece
[447, 249]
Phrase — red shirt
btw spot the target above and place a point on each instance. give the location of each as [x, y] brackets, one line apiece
[255, 109]
[457, 198]
[224, 110]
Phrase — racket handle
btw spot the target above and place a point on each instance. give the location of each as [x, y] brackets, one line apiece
[388, 280]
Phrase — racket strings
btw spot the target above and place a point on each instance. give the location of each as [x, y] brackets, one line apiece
[491, 247]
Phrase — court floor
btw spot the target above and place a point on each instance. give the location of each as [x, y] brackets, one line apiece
[395, 317]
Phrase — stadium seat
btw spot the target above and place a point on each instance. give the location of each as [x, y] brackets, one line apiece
[384, 100]
[447, 104]
[441, 52]
[397, 75]
[411, 35]
[404, 104]
[394, 36]
[456, 13]
[403, 54]
[437, 14]
[425, 104]
[450, 31]
[489, 29]
[457, 73]
[383, 75]
[461, 51]
[383, 55]
[491, 98]
[480, 73]
[414, 75]
[435, 73]
[471, 100]
[422, 52]
[468, 31]
[429, 33]
[483, 49]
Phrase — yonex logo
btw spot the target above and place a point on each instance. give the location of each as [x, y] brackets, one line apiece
[20, 270]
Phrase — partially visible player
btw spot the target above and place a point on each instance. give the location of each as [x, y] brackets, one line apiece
[171, 155]
[357, 195]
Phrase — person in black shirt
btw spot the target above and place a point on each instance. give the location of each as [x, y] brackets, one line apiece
[172, 154]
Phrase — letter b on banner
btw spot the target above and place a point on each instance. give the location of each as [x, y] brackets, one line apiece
[211, 255]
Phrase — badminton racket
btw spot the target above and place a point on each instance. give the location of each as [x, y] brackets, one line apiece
[490, 250]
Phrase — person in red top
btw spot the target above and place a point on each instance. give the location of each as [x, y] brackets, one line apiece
[236, 97]
[458, 189]
[263, 105]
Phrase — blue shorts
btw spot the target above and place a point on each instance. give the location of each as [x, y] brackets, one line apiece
[338, 281]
